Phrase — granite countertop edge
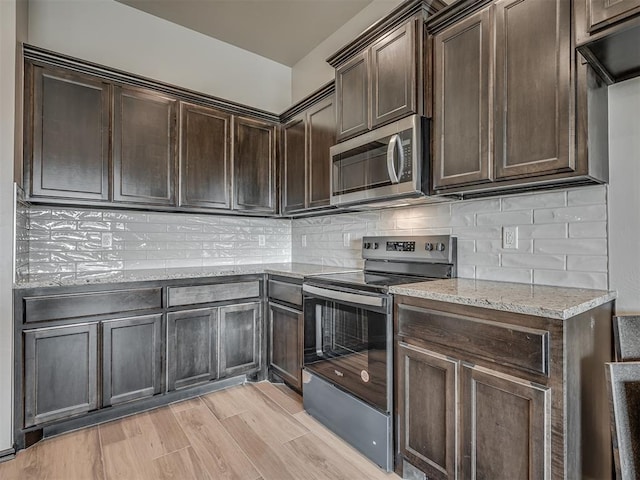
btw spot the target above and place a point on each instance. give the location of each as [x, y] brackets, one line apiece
[292, 270]
[535, 300]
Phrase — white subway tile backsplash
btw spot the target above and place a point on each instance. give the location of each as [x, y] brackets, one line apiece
[562, 238]
[589, 213]
[587, 195]
[570, 279]
[588, 230]
[588, 263]
[571, 246]
[523, 217]
[534, 201]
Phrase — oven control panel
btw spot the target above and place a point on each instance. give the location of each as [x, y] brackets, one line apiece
[417, 248]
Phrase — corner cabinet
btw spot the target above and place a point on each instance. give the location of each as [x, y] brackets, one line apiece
[67, 143]
[514, 126]
[254, 165]
[490, 394]
[306, 164]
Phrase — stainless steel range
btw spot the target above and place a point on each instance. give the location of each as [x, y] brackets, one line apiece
[348, 338]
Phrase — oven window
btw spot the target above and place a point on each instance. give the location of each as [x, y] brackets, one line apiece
[347, 346]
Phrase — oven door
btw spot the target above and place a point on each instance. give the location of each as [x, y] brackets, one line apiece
[348, 341]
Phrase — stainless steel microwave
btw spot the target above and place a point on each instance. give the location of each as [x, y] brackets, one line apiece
[390, 162]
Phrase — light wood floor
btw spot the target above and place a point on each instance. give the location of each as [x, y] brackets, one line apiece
[250, 432]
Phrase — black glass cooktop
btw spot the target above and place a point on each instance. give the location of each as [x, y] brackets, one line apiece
[373, 281]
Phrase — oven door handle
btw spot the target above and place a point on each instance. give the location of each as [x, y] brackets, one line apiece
[336, 295]
[319, 351]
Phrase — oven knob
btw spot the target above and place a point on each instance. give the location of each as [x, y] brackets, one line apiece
[367, 245]
[375, 246]
[440, 247]
[428, 247]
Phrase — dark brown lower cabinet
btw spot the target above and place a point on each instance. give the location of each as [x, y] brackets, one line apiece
[285, 340]
[428, 398]
[192, 340]
[505, 426]
[240, 344]
[131, 358]
[60, 372]
[486, 394]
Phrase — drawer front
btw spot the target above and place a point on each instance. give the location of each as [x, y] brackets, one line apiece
[285, 292]
[520, 347]
[179, 296]
[59, 307]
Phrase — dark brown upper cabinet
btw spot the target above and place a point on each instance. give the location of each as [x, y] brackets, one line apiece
[307, 137]
[513, 107]
[67, 134]
[294, 164]
[144, 147]
[393, 75]
[205, 157]
[380, 75]
[321, 136]
[608, 35]
[461, 102]
[254, 165]
[532, 88]
[352, 92]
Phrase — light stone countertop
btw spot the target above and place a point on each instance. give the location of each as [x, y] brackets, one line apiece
[538, 300]
[293, 270]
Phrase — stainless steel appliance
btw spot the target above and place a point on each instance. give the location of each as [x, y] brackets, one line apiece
[390, 162]
[348, 338]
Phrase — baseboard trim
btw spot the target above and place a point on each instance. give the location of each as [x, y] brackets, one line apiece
[7, 454]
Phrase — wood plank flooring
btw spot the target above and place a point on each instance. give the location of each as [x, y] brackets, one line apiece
[250, 432]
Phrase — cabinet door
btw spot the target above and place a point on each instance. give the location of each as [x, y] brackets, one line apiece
[461, 113]
[205, 157]
[60, 372]
[393, 75]
[131, 358]
[192, 347]
[286, 339]
[532, 88]
[606, 12]
[321, 136]
[143, 147]
[352, 95]
[254, 165]
[69, 135]
[240, 335]
[506, 427]
[294, 170]
[427, 408]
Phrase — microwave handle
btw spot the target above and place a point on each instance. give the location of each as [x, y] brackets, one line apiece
[394, 145]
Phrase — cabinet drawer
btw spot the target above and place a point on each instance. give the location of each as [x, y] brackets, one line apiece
[285, 292]
[178, 296]
[520, 347]
[59, 307]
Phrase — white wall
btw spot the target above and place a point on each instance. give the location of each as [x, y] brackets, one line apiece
[313, 71]
[116, 35]
[9, 32]
[624, 194]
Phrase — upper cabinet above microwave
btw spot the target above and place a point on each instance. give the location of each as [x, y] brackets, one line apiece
[381, 74]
